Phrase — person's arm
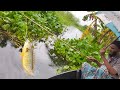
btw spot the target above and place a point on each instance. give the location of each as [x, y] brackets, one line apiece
[111, 70]
[91, 59]
[98, 63]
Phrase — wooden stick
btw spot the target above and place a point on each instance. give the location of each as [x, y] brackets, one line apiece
[111, 43]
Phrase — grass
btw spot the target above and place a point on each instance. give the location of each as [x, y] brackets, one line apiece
[68, 19]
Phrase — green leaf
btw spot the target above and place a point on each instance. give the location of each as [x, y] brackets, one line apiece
[66, 67]
[6, 26]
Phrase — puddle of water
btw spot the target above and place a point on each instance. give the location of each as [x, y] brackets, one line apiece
[10, 60]
[71, 33]
[11, 67]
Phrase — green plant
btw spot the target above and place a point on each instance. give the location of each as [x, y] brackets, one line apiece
[74, 58]
[18, 25]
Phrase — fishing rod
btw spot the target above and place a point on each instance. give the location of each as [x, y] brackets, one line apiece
[44, 29]
[56, 36]
[111, 43]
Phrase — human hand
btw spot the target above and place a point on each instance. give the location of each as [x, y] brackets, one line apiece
[90, 59]
[102, 51]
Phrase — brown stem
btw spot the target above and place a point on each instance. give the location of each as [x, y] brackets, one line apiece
[10, 36]
[103, 36]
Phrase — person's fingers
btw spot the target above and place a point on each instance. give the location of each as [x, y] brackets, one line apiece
[90, 60]
[103, 49]
[89, 56]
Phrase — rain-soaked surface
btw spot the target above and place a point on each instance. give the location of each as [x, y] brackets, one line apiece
[11, 65]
